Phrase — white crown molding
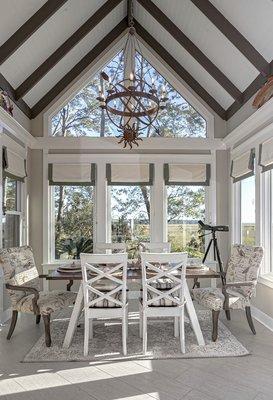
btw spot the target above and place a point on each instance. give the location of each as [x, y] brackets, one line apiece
[111, 144]
[257, 121]
[12, 126]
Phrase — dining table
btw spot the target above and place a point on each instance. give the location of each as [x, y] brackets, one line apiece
[133, 275]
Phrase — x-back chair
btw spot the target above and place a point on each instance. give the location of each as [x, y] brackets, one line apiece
[108, 300]
[109, 248]
[163, 291]
[241, 280]
[155, 247]
[22, 282]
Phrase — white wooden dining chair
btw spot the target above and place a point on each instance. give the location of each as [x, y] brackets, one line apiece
[109, 248]
[105, 301]
[155, 247]
[163, 290]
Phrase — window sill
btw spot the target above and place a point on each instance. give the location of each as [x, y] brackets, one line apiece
[266, 279]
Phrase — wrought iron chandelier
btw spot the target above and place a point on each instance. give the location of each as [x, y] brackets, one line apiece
[132, 104]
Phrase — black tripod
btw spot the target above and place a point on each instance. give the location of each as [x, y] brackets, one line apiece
[216, 251]
[216, 255]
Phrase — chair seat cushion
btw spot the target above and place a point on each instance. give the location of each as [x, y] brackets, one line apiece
[213, 298]
[48, 302]
[161, 302]
[105, 303]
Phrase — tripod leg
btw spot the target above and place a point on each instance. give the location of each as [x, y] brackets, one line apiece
[207, 251]
[219, 260]
[196, 283]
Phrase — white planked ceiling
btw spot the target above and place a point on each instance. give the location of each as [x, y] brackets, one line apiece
[251, 17]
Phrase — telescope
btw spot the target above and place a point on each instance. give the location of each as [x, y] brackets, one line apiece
[216, 228]
[216, 251]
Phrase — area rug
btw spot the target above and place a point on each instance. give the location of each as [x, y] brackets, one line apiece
[106, 344]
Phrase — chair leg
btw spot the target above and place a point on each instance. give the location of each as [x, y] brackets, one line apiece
[228, 315]
[46, 319]
[140, 322]
[91, 328]
[182, 330]
[215, 318]
[86, 334]
[250, 320]
[38, 319]
[12, 323]
[176, 327]
[144, 332]
[124, 333]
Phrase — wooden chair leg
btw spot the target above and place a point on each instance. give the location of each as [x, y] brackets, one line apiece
[176, 327]
[124, 333]
[38, 319]
[86, 334]
[12, 323]
[144, 333]
[228, 315]
[250, 320]
[46, 319]
[215, 318]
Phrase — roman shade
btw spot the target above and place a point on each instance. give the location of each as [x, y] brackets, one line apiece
[130, 174]
[266, 155]
[187, 174]
[243, 166]
[72, 174]
[14, 165]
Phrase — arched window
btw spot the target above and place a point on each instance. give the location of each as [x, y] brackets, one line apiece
[81, 116]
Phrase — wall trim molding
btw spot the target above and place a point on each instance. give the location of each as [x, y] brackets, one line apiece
[5, 316]
[262, 317]
[11, 125]
[253, 124]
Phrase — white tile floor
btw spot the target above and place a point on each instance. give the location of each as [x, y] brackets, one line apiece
[244, 378]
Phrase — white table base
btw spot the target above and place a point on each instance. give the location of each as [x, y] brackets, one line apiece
[79, 306]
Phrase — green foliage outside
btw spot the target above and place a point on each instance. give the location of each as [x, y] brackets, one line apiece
[73, 221]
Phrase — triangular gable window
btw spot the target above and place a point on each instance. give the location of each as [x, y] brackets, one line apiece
[81, 116]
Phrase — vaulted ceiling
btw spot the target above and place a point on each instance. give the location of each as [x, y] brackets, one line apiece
[223, 49]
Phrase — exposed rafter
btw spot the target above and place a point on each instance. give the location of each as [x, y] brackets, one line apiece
[233, 35]
[5, 85]
[58, 54]
[194, 51]
[181, 71]
[79, 67]
[29, 27]
[249, 92]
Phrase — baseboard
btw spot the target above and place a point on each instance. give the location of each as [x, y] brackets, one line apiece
[5, 316]
[262, 317]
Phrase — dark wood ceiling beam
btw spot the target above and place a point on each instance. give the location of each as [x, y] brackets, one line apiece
[191, 48]
[6, 86]
[179, 70]
[249, 92]
[233, 35]
[58, 54]
[28, 28]
[79, 67]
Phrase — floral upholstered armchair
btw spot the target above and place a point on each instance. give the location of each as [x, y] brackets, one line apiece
[241, 278]
[22, 282]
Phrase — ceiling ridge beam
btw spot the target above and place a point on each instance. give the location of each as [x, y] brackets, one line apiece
[179, 70]
[61, 51]
[6, 86]
[79, 67]
[191, 48]
[28, 28]
[255, 85]
[233, 35]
